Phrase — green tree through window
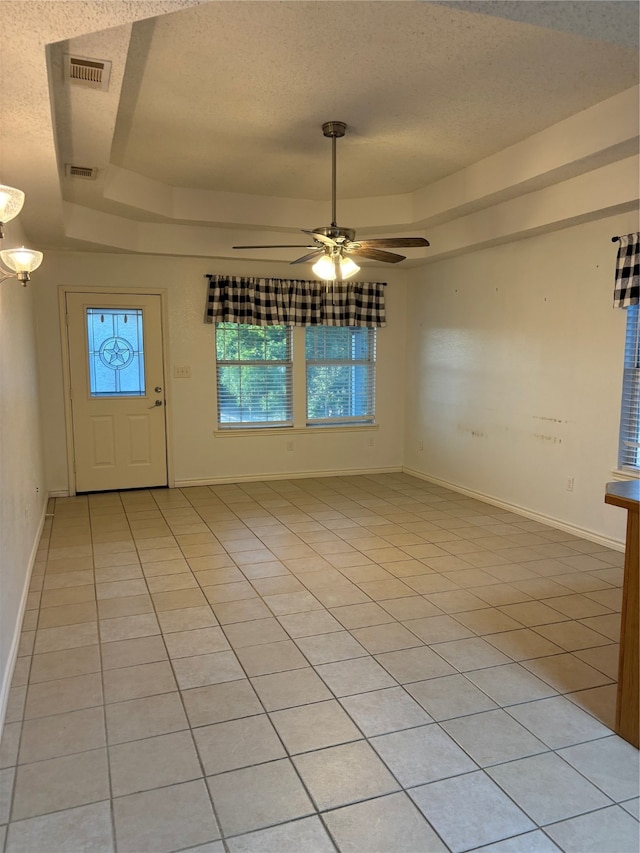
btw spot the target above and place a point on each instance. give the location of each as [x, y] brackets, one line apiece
[255, 375]
[254, 371]
[340, 374]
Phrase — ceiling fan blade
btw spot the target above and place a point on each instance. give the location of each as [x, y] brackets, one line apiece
[310, 257]
[282, 246]
[392, 242]
[328, 241]
[377, 255]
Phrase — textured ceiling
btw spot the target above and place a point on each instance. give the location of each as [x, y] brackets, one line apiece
[231, 96]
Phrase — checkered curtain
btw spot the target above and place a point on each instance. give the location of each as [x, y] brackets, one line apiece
[627, 286]
[294, 302]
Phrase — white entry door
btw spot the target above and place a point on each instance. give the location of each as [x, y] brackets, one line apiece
[117, 390]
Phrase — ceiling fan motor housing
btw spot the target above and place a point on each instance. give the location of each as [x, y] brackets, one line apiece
[336, 233]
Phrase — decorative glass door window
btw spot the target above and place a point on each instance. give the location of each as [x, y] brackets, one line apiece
[116, 352]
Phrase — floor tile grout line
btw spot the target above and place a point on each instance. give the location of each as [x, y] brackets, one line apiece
[513, 837]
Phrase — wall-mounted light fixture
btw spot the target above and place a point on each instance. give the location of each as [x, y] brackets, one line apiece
[11, 201]
[22, 262]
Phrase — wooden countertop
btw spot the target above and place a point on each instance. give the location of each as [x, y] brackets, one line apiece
[624, 493]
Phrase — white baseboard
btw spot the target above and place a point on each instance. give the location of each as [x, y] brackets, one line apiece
[59, 493]
[291, 475]
[581, 532]
[5, 685]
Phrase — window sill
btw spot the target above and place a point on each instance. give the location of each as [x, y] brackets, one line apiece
[626, 474]
[253, 432]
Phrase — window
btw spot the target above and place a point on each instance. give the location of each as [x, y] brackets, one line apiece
[334, 366]
[340, 373]
[629, 452]
[254, 372]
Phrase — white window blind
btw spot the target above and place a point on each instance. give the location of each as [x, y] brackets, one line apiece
[629, 452]
[254, 374]
[340, 371]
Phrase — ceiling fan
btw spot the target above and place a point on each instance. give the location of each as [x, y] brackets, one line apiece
[332, 245]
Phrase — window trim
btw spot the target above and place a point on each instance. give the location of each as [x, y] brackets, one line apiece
[294, 430]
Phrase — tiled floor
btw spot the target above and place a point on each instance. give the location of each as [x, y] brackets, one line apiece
[362, 664]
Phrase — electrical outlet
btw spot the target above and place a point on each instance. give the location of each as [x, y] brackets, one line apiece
[290, 445]
[182, 372]
[421, 445]
[370, 442]
[569, 484]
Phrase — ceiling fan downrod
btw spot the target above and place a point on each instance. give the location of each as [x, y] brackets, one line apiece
[334, 130]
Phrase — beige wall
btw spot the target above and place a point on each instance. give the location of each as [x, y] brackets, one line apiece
[198, 455]
[515, 367]
[22, 480]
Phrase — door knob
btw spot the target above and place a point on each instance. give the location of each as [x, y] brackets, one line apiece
[157, 403]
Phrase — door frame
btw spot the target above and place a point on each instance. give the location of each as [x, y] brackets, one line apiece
[63, 289]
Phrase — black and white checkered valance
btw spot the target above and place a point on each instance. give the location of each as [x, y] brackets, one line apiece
[294, 302]
[627, 286]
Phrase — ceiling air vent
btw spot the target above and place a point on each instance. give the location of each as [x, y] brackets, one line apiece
[92, 73]
[86, 172]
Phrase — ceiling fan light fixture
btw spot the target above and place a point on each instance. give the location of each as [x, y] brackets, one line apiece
[332, 268]
[324, 268]
[348, 267]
